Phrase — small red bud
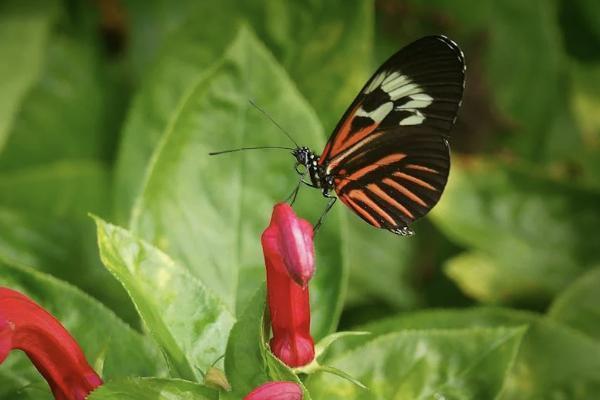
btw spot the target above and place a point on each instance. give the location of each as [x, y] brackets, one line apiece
[276, 391]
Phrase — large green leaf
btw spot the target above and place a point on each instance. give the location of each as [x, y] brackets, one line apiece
[22, 59]
[152, 389]
[178, 67]
[124, 351]
[245, 363]
[579, 305]
[60, 189]
[209, 212]
[186, 319]
[325, 46]
[456, 364]
[553, 361]
[65, 115]
[43, 214]
[533, 26]
[531, 235]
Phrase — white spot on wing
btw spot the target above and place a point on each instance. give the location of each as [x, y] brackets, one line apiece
[377, 114]
[375, 82]
[394, 80]
[416, 119]
[405, 90]
[420, 100]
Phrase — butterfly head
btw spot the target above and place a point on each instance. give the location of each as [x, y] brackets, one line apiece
[303, 156]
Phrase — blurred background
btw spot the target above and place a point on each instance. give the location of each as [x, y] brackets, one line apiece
[88, 89]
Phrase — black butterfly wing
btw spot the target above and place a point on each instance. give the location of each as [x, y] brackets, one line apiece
[389, 155]
[395, 180]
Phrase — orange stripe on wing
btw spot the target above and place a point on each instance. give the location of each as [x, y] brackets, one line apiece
[350, 151]
[386, 197]
[358, 194]
[422, 168]
[414, 180]
[404, 191]
[382, 162]
[392, 158]
[344, 132]
[359, 210]
[356, 137]
[356, 175]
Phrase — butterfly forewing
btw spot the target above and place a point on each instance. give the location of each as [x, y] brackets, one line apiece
[389, 156]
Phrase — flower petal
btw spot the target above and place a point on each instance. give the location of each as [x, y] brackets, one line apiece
[26, 326]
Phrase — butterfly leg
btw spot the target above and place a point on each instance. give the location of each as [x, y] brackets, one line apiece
[292, 197]
[330, 203]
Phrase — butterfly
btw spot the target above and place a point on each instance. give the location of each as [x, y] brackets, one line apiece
[388, 158]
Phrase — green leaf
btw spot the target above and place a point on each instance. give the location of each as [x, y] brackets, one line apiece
[65, 116]
[325, 46]
[323, 345]
[22, 59]
[43, 216]
[381, 265]
[278, 371]
[185, 318]
[553, 361]
[125, 351]
[527, 240]
[245, 364]
[61, 189]
[579, 305]
[152, 389]
[509, 67]
[209, 212]
[178, 67]
[249, 362]
[456, 364]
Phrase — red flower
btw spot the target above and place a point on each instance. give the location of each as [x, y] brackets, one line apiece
[289, 257]
[276, 391]
[26, 326]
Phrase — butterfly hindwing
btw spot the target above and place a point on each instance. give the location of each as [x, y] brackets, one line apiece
[389, 155]
[393, 184]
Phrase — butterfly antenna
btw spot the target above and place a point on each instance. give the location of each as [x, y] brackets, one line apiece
[273, 121]
[215, 153]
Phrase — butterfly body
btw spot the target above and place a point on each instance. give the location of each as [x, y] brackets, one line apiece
[388, 159]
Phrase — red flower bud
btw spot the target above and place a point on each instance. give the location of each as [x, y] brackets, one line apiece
[294, 239]
[287, 245]
[26, 326]
[276, 391]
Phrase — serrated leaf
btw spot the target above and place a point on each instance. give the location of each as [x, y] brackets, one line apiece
[125, 351]
[152, 389]
[209, 212]
[455, 364]
[553, 361]
[186, 319]
[579, 305]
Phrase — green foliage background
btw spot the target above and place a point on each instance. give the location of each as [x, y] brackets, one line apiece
[110, 108]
